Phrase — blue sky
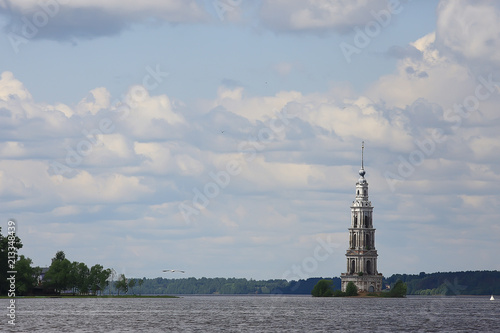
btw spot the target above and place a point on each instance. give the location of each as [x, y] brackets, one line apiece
[226, 142]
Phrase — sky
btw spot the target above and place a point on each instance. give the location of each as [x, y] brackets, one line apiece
[223, 137]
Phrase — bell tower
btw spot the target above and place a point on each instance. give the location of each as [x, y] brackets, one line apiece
[361, 254]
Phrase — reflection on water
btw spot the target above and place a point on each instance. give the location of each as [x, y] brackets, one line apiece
[256, 314]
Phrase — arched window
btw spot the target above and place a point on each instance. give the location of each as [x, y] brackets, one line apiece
[367, 241]
[354, 240]
[355, 221]
[353, 266]
[366, 221]
[368, 267]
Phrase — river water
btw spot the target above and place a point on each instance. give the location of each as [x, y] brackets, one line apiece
[255, 314]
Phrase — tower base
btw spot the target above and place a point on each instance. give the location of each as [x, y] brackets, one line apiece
[369, 283]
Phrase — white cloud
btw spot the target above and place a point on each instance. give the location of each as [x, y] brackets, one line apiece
[417, 78]
[168, 158]
[11, 88]
[254, 108]
[96, 100]
[148, 116]
[469, 29]
[100, 189]
[318, 15]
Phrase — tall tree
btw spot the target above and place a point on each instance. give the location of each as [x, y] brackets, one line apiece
[351, 289]
[131, 285]
[94, 278]
[73, 277]
[141, 282]
[104, 278]
[59, 273]
[121, 284]
[26, 276]
[82, 278]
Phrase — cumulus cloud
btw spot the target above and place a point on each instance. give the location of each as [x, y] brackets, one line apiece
[318, 15]
[420, 76]
[147, 116]
[469, 30]
[11, 88]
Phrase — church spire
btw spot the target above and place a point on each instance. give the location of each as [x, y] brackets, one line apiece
[362, 170]
[362, 268]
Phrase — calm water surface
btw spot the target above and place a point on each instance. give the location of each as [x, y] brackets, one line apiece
[256, 314]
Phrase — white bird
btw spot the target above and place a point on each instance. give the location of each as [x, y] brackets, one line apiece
[173, 270]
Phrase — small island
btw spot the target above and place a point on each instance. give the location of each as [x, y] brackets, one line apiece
[324, 288]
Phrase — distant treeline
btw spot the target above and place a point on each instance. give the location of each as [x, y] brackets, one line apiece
[160, 286]
[452, 283]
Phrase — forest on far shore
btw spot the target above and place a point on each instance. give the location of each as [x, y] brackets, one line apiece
[450, 283]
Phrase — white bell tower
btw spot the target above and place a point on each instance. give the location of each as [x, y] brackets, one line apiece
[361, 254]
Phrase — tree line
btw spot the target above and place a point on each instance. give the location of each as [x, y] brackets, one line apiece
[77, 277]
[62, 275]
[227, 286]
[450, 283]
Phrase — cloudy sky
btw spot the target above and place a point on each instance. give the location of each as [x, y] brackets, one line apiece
[223, 137]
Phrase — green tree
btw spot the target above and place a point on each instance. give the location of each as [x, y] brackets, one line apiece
[73, 276]
[131, 285]
[323, 288]
[141, 282]
[59, 274]
[104, 278]
[82, 278]
[399, 289]
[59, 256]
[351, 289]
[121, 284]
[97, 278]
[26, 276]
